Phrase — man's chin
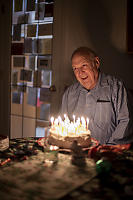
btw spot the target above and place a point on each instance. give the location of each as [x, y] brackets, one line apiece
[86, 86]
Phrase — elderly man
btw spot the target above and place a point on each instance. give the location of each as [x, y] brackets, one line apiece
[102, 98]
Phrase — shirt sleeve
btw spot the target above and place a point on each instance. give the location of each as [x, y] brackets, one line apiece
[123, 133]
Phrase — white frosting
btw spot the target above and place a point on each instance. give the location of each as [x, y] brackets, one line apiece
[54, 131]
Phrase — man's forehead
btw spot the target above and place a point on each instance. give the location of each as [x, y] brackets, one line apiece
[80, 59]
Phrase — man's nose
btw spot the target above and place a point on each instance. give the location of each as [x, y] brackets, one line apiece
[81, 70]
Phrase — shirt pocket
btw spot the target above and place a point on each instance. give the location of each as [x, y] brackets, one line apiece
[102, 114]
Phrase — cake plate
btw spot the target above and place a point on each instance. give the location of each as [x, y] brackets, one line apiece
[44, 143]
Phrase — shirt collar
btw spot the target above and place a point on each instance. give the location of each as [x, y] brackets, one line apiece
[102, 82]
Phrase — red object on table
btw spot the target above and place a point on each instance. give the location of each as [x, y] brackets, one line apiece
[5, 161]
[108, 149]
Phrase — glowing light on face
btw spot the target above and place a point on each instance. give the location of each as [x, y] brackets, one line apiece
[86, 71]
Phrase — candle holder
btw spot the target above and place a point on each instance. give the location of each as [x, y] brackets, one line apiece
[51, 154]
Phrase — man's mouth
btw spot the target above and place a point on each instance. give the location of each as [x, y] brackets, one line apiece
[84, 78]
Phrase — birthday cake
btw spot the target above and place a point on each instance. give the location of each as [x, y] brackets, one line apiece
[64, 133]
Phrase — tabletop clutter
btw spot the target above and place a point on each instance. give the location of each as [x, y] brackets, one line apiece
[61, 171]
[53, 172]
[20, 149]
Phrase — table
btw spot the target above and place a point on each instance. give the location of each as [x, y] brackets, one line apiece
[28, 174]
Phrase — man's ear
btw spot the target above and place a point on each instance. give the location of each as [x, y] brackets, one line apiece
[97, 62]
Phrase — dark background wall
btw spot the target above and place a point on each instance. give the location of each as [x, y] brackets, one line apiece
[98, 24]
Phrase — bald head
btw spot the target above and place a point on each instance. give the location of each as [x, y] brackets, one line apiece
[84, 52]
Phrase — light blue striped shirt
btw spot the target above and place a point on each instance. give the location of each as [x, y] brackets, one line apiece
[108, 107]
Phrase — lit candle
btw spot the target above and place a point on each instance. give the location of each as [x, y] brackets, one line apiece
[87, 123]
[53, 148]
[52, 121]
[78, 121]
[65, 116]
[71, 128]
[83, 121]
[56, 122]
[60, 120]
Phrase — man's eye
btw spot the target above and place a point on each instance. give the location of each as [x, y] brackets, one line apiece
[84, 65]
[74, 69]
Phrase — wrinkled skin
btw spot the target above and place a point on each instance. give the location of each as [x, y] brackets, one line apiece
[86, 70]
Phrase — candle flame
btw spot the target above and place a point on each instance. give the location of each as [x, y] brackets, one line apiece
[67, 127]
[52, 121]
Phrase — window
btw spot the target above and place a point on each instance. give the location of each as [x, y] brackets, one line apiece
[31, 66]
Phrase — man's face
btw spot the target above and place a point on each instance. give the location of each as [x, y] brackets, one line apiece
[86, 71]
